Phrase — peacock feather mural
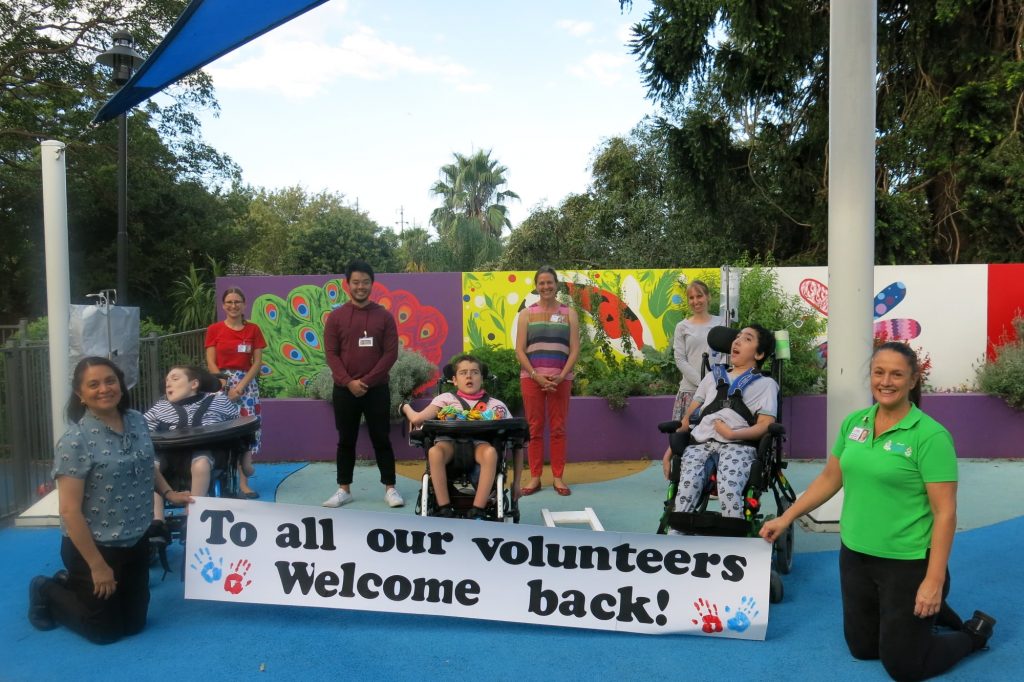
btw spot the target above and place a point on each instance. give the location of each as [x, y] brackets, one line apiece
[294, 327]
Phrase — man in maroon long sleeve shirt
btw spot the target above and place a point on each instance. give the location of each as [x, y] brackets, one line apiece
[361, 344]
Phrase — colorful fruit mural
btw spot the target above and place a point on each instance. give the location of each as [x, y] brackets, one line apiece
[634, 308]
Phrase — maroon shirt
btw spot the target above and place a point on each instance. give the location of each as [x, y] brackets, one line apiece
[348, 360]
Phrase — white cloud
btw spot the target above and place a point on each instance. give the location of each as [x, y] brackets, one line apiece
[625, 33]
[300, 67]
[576, 29]
[605, 67]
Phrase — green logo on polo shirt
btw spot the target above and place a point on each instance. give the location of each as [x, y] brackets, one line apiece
[897, 448]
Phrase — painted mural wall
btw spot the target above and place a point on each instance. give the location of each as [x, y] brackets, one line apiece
[953, 313]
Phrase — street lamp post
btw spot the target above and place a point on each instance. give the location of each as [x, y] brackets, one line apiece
[124, 60]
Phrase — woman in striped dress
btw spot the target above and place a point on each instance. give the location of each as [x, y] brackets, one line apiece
[547, 346]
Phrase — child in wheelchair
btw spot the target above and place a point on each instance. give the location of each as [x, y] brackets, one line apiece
[192, 398]
[729, 426]
[471, 401]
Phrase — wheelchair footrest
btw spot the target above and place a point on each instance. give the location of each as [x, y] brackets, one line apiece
[709, 523]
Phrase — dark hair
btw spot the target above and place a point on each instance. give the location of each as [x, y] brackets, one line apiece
[700, 285]
[232, 290]
[765, 343]
[75, 409]
[911, 357]
[449, 370]
[545, 269]
[357, 265]
[208, 383]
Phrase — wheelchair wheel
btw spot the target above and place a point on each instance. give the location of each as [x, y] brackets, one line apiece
[775, 589]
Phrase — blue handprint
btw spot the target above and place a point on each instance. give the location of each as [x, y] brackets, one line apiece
[744, 614]
[204, 563]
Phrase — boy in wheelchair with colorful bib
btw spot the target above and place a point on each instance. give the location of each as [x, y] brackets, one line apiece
[467, 405]
[192, 398]
[735, 408]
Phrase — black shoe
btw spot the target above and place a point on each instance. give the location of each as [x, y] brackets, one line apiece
[477, 514]
[38, 610]
[61, 577]
[979, 627]
[444, 512]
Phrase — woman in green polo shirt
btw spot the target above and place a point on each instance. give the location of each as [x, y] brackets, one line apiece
[898, 467]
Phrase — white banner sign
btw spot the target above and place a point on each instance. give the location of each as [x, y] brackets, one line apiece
[242, 551]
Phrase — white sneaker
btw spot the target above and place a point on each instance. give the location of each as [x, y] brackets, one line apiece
[339, 498]
[394, 498]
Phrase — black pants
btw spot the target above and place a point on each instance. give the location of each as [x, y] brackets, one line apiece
[879, 620]
[102, 621]
[376, 406]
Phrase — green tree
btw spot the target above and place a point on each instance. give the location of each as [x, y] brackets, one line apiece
[340, 234]
[745, 87]
[473, 214]
[417, 250]
[181, 193]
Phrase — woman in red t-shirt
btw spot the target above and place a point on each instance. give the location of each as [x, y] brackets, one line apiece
[236, 347]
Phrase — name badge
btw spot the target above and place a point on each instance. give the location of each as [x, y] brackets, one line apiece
[244, 348]
[366, 342]
[859, 434]
[557, 318]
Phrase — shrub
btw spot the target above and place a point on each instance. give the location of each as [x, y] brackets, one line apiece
[1004, 376]
[763, 301]
[411, 372]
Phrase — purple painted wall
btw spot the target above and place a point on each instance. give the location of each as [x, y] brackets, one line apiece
[982, 426]
[442, 290]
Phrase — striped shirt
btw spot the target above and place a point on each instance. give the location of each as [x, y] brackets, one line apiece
[164, 417]
[547, 341]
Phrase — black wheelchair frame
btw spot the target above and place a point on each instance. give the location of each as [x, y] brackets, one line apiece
[506, 435]
[766, 474]
[227, 440]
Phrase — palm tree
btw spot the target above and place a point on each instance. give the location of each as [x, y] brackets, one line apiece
[470, 189]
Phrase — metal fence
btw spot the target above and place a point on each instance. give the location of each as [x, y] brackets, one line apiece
[26, 431]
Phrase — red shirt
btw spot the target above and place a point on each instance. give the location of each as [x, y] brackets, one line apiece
[234, 348]
[360, 343]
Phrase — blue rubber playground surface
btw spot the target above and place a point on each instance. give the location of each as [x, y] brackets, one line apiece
[200, 640]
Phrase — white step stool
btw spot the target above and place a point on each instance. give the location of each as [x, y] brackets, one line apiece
[587, 516]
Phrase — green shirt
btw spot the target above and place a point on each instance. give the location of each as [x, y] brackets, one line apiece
[886, 512]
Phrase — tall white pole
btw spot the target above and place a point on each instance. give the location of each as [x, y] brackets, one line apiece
[58, 284]
[851, 206]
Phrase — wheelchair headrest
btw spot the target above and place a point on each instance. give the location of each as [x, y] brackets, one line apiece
[720, 338]
[208, 382]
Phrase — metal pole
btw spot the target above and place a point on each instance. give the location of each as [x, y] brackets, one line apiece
[122, 209]
[58, 287]
[851, 206]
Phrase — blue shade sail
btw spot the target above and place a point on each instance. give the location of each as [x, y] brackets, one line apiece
[205, 31]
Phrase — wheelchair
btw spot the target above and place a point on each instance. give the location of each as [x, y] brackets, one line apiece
[766, 473]
[227, 441]
[506, 435]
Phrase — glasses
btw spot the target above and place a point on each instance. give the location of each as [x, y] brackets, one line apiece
[468, 373]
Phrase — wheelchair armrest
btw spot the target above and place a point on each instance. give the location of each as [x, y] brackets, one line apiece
[776, 429]
[677, 441]
[670, 427]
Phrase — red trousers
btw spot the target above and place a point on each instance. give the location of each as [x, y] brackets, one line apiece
[551, 407]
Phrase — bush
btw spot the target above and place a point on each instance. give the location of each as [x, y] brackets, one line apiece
[1004, 376]
[763, 301]
[410, 373]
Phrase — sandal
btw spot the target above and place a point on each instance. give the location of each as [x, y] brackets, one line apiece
[529, 490]
[563, 490]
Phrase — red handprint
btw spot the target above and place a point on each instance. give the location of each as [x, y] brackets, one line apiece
[709, 622]
[236, 582]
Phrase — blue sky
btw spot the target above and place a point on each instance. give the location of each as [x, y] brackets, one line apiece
[370, 98]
